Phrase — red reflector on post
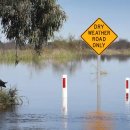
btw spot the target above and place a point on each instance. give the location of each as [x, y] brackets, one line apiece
[127, 84]
[64, 83]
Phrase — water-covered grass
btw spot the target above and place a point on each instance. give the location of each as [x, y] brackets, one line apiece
[28, 55]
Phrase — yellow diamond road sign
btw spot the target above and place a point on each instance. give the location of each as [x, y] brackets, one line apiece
[99, 36]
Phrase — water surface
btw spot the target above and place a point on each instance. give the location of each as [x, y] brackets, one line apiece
[41, 85]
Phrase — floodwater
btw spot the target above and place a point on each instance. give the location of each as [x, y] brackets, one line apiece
[87, 107]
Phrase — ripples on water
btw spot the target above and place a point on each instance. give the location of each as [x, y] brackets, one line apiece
[14, 121]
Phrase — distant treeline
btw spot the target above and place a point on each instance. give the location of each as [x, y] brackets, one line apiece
[70, 43]
[121, 44]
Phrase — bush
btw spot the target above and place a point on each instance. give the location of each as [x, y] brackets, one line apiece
[9, 98]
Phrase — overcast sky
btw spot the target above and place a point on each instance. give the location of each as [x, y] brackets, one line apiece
[82, 13]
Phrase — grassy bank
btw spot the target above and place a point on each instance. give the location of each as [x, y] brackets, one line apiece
[60, 49]
[28, 55]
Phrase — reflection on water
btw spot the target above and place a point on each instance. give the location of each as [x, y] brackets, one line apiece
[99, 119]
[70, 66]
[121, 58]
[61, 65]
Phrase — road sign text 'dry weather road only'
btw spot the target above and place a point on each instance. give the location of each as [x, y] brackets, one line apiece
[99, 36]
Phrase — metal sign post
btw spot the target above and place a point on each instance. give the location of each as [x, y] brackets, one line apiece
[98, 82]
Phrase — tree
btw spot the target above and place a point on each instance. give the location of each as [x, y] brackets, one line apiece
[31, 21]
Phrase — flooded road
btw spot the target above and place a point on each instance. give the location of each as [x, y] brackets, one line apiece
[41, 84]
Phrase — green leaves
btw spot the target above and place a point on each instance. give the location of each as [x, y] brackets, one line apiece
[31, 21]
